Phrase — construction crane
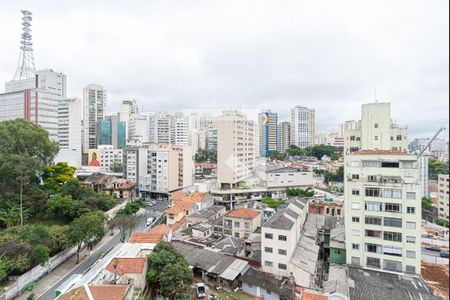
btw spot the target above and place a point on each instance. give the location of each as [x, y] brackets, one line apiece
[429, 143]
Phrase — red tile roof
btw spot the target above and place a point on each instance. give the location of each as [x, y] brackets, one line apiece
[243, 213]
[311, 296]
[177, 196]
[145, 238]
[379, 152]
[161, 229]
[126, 265]
[99, 292]
[178, 224]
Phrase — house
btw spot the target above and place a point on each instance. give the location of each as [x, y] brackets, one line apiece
[124, 270]
[241, 222]
[265, 286]
[202, 231]
[288, 177]
[337, 245]
[123, 189]
[151, 238]
[206, 215]
[99, 292]
[178, 212]
[97, 181]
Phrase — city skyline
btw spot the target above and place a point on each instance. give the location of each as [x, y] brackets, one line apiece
[180, 63]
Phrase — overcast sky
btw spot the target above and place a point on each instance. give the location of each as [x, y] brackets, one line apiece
[174, 55]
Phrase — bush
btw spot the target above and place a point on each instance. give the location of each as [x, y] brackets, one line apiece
[273, 203]
[40, 255]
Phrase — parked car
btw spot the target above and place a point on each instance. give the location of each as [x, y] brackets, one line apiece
[213, 297]
[433, 248]
[200, 289]
[444, 254]
[149, 221]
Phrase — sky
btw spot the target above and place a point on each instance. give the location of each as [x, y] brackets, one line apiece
[248, 54]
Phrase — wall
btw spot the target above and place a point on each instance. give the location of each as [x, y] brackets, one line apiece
[337, 256]
[256, 291]
[289, 179]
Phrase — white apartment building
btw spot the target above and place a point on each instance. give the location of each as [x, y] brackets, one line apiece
[279, 236]
[235, 148]
[135, 163]
[180, 130]
[69, 131]
[375, 131]
[127, 109]
[443, 198]
[138, 128]
[108, 156]
[383, 210]
[283, 136]
[35, 99]
[303, 126]
[94, 110]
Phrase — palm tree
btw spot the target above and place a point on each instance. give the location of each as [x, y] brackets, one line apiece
[11, 214]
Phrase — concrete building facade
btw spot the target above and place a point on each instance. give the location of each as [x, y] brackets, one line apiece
[283, 136]
[303, 126]
[94, 109]
[267, 123]
[443, 197]
[69, 129]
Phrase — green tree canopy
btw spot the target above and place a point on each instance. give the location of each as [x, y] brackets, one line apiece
[168, 270]
[56, 175]
[40, 255]
[204, 155]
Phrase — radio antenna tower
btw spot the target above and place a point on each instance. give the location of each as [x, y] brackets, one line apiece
[25, 68]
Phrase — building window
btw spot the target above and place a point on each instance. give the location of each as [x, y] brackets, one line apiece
[352, 138]
[268, 263]
[355, 246]
[392, 222]
[355, 219]
[373, 192]
[376, 125]
[373, 206]
[356, 206]
[282, 252]
[268, 292]
[268, 249]
[410, 225]
[392, 207]
[355, 232]
[373, 233]
[355, 261]
[411, 195]
[268, 236]
[407, 165]
[282, 266]
[282, 238]
[410, 269]
[372, 178]
[237, 224]
[391, 250]
[355, 192]
[392, 193]
[391, 265]
[373, 248]
[390, 164]
[410, 210]
[371, 164]
[411, 239]
[373, 220]
[399, 137]
[410, 254]
[392, 236]
[373, 262]
[355, 176]
[376, 138]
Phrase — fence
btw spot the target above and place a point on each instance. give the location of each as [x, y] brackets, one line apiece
[434, 259]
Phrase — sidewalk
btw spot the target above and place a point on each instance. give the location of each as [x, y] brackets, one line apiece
[48, 281]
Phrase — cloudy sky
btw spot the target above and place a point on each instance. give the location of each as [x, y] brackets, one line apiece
[205, 54]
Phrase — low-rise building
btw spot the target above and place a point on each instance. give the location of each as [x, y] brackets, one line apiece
[241, 222]
[207, 215]
[99, 292]
[337, 245]
[288, 177]
[265, 286]
[443, 196]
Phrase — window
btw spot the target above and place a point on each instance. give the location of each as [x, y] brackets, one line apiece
[268, 249]
[268, 236]
[373, 206]
[407, 165]
[373, 248]
[391, 265]
[355, 219]
[410, 254]
[282, 266]
[355, 232]
[356, 205]
[237, 224]
[376, 125]
[373, 262]
[410, 210]
[282, 252]
[376, 138]
[247, 225]
[390, 164]
[399, 137]
[250, 285]
[410, 225]
[392, 193]
[391, 250]
[392, 236]
[268, 292]
[410, 269]
[355, 246]
[355, 261]
[268, 263]
[411, 195]
[373, 192]
[371, 164]
[373, 220]
[392, 207]
[411, 239]
[373, 233]
[372, 178]
[355, 192]
[392, 222]
[355, 176]
[282, 238]
[352, 138]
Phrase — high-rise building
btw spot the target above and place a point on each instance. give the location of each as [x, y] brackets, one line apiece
[443, 197]
[283, 136]
[267, 123]
[94, 110]
[235, 148]
[382, 195]
[376, 131]
[111, 159]
[69, 131]
[111, 131]
[303, 126]
[35, 99]
[139, 128]
[128, 108]
[180, 130]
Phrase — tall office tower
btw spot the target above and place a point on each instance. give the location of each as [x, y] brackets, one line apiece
[235, 148]
[139, 128]
[347, 125]
[283, 136]
[382, 195]
[164, 125]
[94, 109]
[267, 124]
[376, 131]
[208, 137]
[128, 108]
[180, 130]
[443, 197]
[69, 131]
[303, 126]
[111, 131]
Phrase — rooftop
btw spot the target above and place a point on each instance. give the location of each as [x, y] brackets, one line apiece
[267, 281]
[126, 265]
[243, 213]
[154, 236]
[279, 221]
[380, 152]
[98, 292]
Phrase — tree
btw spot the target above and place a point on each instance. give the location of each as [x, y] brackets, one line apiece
[11, 214]
[427, 204]
[62, 207]
[277, 155]
[168, 270]
[59, 238]
[85, 229]
[437, 167]
[3, 271]
[125, 223]
[116, 167]
[40, 255]
[54, 176]
[203, 155]
[294, 192]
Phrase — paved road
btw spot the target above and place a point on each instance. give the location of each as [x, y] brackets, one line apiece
[88, 262]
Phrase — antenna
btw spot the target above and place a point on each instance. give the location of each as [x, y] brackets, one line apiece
[25, 68]
[375, 93]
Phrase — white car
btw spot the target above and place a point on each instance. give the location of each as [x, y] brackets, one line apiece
[200, 289]
[149, 221]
